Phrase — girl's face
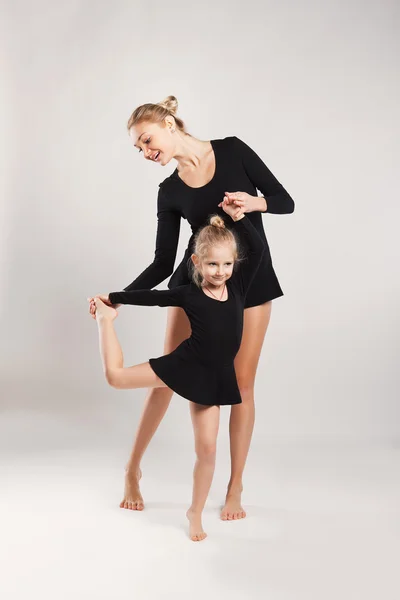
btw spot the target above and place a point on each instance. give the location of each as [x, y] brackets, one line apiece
[217, 266]
[155, 140]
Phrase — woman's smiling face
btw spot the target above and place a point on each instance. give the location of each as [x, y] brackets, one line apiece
[155, 140]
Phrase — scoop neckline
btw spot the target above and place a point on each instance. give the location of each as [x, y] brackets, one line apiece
[212, 142]
[215, 299]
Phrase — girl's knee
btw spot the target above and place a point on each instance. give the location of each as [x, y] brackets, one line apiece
[112, 377]
[206, 451]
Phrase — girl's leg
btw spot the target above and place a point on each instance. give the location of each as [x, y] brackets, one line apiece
[256, 320]
[112, 358]
[205, 421]
[155, 407]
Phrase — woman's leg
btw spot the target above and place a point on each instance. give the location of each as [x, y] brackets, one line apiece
[205, 421]
[155, 407]
[256, 320]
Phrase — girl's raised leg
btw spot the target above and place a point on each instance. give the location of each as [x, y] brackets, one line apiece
[155, 407]
[205, 421]
[112, 358]
[256, 320]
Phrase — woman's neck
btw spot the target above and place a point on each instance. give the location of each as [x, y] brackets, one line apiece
[190, 151]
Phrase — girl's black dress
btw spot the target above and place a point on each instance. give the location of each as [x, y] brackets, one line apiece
[201, 368]
[237, 169]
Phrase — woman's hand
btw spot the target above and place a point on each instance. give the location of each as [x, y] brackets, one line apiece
[244, 202]
[104, 298]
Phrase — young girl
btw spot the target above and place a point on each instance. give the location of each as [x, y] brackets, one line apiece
[201, 368]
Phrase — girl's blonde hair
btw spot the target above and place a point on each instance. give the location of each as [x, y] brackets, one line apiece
[210, 235]
[156, 113]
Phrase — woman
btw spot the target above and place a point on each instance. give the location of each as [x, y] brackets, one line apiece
[196, 189]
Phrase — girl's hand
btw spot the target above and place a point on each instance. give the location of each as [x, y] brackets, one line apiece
[104, 299]
[233, 211]
[230, 209]
[104, 311]
[244, 202]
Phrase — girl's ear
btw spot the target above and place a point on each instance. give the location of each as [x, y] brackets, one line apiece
[195, 260]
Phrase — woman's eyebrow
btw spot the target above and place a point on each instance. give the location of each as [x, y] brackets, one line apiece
[138, 140]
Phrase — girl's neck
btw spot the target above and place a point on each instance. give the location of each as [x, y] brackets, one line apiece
[217, 293]
[212, 287]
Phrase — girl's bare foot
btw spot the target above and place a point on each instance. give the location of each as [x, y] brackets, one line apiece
[196, 531]
[132, 497]
[233, 510]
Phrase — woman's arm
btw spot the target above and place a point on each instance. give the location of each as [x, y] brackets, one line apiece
[168, 227]
[277, 199]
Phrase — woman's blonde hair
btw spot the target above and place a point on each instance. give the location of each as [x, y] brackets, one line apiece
[156, 113]
[214, 233]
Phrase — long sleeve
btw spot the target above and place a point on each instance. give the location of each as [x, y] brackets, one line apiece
[256, 248]
[168, 228]
[172, 297]
[277, 198]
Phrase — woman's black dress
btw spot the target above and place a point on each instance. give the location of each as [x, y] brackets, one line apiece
[237, 168]
[201, 368]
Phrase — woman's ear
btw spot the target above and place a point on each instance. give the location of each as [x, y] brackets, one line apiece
[170, 123]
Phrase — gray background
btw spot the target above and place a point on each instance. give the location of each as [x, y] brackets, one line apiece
[312, 87]
[312, 91]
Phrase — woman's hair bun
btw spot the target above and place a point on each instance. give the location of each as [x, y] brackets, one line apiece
[217, 221]
[170, 103]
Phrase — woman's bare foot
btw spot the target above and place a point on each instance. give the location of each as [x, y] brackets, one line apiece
[233, 510]
[196, 531]
[133, 499]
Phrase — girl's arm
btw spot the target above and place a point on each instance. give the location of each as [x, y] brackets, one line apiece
[277, 198]
[256, 248]
[172, 297]
[168, 227]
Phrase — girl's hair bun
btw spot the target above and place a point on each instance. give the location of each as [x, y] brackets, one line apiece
[217, 221]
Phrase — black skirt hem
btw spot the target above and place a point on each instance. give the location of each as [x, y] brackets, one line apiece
[182, 393]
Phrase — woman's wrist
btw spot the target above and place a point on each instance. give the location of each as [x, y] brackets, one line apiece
[239, 218]
[260, 203]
